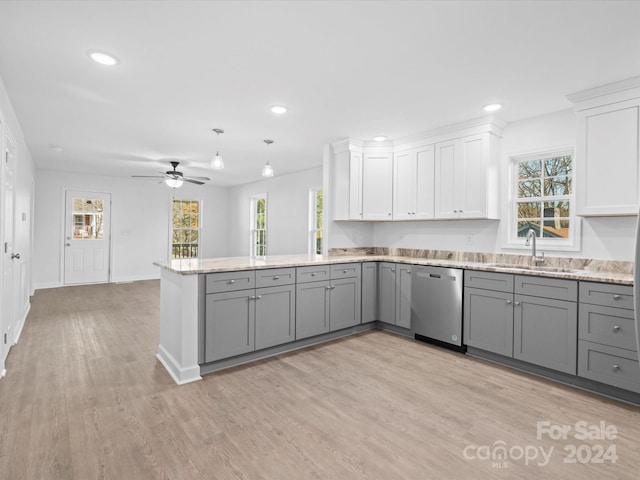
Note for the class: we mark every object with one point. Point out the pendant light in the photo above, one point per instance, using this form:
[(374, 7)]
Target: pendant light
[(217, 163), (267, 170)]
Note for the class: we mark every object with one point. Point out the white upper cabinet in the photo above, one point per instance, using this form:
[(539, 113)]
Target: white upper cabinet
[(465, 178), (355, 185), (607, 174), (451, 174), (377, 186), (413, 182)]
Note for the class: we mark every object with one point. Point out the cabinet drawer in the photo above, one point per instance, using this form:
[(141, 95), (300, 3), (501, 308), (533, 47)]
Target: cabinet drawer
[(230, 281), (613, 366), (610, 326), (275, 276), (547, 287), (501, 282), (312, 274), (620, 296), (345, 270)]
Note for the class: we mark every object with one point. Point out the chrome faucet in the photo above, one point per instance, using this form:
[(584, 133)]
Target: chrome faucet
[(531, 234)]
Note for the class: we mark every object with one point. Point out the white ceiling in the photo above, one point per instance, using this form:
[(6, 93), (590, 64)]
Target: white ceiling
[(344, 68)]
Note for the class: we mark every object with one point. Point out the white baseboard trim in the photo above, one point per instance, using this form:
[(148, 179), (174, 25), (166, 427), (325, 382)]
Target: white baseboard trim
[(180, 375), (44, 286), (3, 372), (135, 278), (22, 322)]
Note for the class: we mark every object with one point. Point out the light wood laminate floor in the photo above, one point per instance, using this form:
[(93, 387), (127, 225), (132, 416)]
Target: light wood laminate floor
[(85, 398)]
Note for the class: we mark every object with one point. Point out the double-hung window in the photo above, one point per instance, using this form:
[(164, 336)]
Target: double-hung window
[(185, 228), (259, 225), (315, 221), (543, 200)]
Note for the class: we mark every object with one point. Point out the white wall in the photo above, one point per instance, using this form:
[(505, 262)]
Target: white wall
[(603, 238), (139, 223), (287, 212)]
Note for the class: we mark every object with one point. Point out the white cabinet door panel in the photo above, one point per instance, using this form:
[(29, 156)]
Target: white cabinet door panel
[(377, 187)]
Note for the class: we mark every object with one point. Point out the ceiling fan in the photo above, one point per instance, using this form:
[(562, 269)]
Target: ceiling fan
[(174, 178)]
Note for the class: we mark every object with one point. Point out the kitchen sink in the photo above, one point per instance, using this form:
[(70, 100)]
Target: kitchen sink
[(537, 268)]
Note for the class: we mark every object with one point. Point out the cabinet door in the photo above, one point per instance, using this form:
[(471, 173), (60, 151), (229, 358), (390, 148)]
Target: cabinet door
[(377, 186), (355, 185), (607, 167), (545, 332), (404, 186), (345, 307), (403, 295), (275, 315), (369, 292), (387, 292), (425, 183), (312, 309), (229, 324), (470, 186), (446, 157), (488, 320)]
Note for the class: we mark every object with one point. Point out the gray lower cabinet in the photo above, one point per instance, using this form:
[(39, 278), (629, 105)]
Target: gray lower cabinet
[(240, 318), (369, 292), (229, 324), (312, 308), (545, 332), (387, 292), (327, 306), (488, 320), (394, 293), (533, 319), (275, 316), (607, 351)]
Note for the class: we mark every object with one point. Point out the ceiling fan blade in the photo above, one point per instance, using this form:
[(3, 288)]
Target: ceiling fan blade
[(197, 182), (197, 178), (147, 176)]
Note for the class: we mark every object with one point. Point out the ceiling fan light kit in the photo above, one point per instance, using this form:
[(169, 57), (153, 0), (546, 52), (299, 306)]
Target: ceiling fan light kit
[(174, 178)]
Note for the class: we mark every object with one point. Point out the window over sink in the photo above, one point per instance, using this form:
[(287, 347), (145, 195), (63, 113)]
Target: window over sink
[(543, 200)]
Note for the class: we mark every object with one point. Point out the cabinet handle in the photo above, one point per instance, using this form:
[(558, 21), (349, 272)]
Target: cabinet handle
[(258, 297), (328, 287), (333, 287), (508, 302), (517, 303), (277, 277), (389, 213), (616, 297), (252, 297), (616, 328), (616, 367), (344, 271), (313, 274), (231, 282)]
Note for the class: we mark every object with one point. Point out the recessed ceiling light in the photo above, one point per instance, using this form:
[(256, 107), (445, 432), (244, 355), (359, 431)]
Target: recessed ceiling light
[(380, 138), (278, 109), (103, 58), (492, 107)]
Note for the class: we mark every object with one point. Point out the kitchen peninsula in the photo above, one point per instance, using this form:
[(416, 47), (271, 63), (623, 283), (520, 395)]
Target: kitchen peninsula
[(221, 312)]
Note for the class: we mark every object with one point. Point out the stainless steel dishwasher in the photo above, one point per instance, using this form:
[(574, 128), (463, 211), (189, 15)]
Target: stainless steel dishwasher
[(436, 305)]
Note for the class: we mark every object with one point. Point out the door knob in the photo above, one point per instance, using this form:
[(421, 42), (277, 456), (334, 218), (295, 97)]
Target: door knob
[(67, 244), (15, 255)]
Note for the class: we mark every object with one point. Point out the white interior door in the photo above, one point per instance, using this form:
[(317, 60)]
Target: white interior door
[(87, 237), (8, 255)]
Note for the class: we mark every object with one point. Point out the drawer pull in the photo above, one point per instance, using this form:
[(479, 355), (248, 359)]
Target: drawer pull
[(508, 302), (277, 277), (258, 297), (344, 271), (616, 328), (231, 282), (616, 368), (616, 297), (328, 287), (517, 304), (313, 274)]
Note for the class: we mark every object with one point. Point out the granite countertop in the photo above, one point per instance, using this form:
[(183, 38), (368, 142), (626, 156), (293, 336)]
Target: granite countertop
[(585, 270)]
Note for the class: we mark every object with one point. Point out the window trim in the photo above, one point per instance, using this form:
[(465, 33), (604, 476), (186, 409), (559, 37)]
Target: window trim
[(252, 226), (312, 228), (199, 229), (550, 244)]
